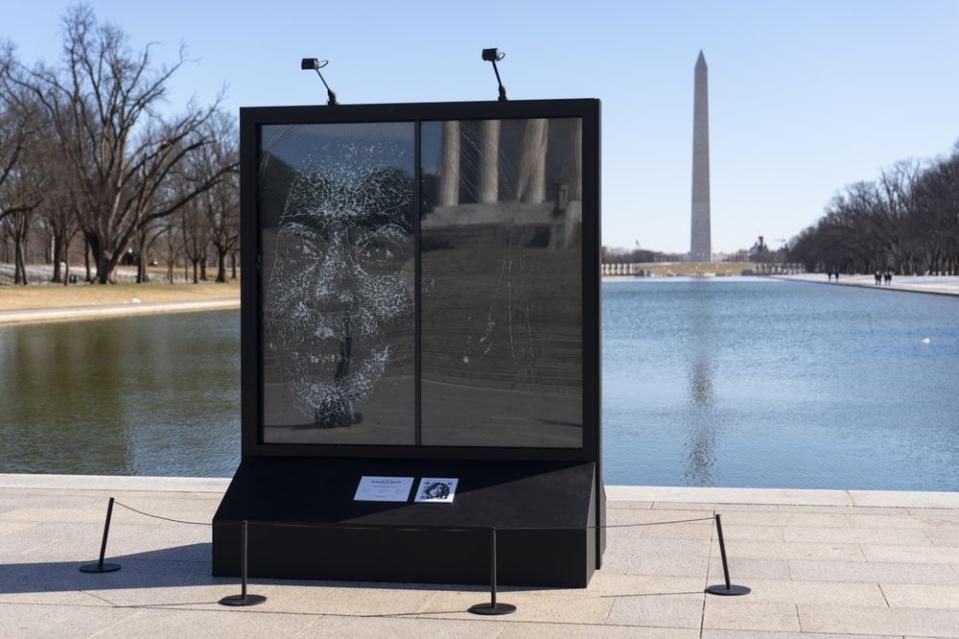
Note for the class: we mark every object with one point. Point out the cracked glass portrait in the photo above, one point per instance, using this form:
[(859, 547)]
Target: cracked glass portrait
[(501, 271), (336, 205)]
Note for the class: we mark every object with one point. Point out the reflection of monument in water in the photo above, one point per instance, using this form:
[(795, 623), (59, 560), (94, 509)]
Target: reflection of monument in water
[(703, 417), (700, 249)]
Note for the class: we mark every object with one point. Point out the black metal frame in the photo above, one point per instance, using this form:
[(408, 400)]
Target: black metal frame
[(253, 117)]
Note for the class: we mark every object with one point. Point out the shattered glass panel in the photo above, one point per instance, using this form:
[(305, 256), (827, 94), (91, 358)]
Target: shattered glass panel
[(336, 204), (501, 315)]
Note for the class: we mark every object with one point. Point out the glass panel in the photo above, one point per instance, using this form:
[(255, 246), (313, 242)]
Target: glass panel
[(501, 342), (336, 204)]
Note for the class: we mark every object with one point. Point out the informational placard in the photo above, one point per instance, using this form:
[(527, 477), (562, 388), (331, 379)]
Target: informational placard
[(373, 488), (437, 490)]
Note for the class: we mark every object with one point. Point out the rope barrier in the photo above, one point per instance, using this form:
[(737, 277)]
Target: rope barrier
[(409, 527), (178, 521), (493, 608), (414, 528)]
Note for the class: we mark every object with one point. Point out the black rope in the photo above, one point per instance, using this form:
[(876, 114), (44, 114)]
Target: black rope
[(412, 528), (416, 528), (178, 521)]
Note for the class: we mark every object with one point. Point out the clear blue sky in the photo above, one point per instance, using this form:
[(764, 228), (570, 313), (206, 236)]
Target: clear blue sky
[(805, 96)]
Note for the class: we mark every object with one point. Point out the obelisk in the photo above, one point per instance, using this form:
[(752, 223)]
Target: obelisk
[(700, 245)]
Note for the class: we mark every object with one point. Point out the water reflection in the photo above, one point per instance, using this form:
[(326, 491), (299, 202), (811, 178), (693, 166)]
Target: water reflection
[(151, 396), (758, 382), (701, 416)]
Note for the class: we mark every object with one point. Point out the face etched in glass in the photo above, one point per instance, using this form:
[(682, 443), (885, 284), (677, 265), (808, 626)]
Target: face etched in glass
[(342, 277)]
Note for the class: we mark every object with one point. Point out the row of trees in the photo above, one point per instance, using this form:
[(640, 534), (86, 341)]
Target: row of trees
[(86, 152), (617, 255), (906, 221)]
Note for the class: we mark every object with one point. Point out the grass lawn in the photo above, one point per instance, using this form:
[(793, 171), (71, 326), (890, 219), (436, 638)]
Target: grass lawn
[(14, 298)]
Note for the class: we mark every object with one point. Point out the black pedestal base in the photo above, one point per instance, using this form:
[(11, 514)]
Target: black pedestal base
[(498, 609), (304, 523), (95, 568), (732, 591)]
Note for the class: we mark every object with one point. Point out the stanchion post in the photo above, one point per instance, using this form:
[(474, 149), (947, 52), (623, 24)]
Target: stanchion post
[(726, 588), (100, 566), (243, 599), (492, 608)]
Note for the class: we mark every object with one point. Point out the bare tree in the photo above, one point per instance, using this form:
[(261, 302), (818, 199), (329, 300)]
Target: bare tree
[(20, 195), (907, 221), (20, 182), (13, 140), (196, 235), (222, 202), (102, 101), (171, 244), (59, 212)]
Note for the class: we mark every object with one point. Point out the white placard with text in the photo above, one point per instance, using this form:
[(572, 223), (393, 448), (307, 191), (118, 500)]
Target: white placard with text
[(373, 488)]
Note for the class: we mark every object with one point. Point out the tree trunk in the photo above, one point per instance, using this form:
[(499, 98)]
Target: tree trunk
[(233, 265), (57, 256), (86, 259), (104, 267), (142, 268), (66, 262), (19, 258), (220, 265), (196, 264), (203, 268)]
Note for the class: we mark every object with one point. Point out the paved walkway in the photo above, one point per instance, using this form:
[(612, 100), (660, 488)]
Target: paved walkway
[(939, 284), (822, 564), (112, 310)]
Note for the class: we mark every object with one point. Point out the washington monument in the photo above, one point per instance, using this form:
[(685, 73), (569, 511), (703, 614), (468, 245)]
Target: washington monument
[(700, 245)]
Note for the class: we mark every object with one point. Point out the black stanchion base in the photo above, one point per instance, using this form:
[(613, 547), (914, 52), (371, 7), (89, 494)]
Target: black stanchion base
[(98, 568), (732, 591), (240, 600), (498, 609)]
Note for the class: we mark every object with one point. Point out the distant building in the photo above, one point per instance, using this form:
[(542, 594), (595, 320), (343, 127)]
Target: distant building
[(758, 248)]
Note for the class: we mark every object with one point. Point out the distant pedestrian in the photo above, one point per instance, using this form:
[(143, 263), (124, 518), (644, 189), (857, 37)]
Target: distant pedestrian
[(889, 277), (829, 275), (878, 278), (837, 275)]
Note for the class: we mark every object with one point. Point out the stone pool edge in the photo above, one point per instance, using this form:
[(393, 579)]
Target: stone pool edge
[(615, 493), (77, 313)]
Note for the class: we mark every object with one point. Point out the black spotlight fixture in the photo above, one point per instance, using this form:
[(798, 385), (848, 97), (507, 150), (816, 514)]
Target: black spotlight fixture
[(494, 55), (313, 64)]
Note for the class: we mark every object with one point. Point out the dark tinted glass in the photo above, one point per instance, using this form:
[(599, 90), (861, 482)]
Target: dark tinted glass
[(336, 205), (502, 283)]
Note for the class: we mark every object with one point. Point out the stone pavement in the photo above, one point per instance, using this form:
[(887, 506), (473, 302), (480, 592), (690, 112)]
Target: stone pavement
[(821, 563)]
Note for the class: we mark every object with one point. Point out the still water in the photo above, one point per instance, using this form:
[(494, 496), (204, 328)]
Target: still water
[(154, 395), (726, 382), (755, 382)]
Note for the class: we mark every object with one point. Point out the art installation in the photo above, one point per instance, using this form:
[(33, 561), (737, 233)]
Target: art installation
[(420, 343)]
